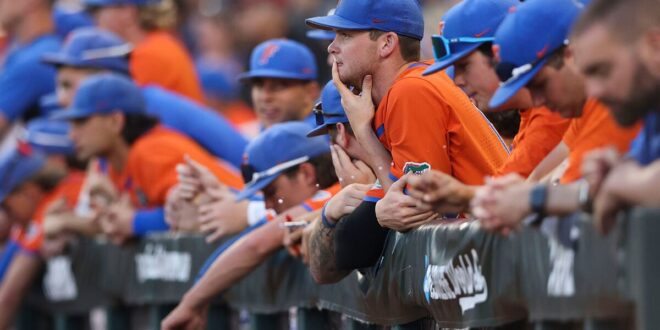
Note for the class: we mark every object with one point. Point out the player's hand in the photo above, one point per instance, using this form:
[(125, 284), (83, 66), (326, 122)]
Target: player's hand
[(195, 178), (350, 171), (181, 214), (117, 221), (440, 192), (596, 165), (185, 317), (610, 198), (401, 212), (222, 215), (359, 108), (345, 201), (502, 203), (102, 192)]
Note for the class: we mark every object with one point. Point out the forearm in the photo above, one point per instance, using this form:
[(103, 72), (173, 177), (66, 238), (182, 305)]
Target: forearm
[(235, 263), (322, 258), (563, 199), (24, 268), (378, 158), (359, 238), (549, 163), (83, 226), (639, 186)]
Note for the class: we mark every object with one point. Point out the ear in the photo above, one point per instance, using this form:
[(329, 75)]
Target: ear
[(388, 44), (307, 173), (117, 121), (313, 90), (342, 138), (649, 49)]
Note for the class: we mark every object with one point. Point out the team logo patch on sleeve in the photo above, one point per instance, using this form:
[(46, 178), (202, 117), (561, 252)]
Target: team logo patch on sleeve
[(416, 168)]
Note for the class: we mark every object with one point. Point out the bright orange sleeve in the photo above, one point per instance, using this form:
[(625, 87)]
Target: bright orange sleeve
[(598, 129), (540, 132), (416, 134), (153, 160)]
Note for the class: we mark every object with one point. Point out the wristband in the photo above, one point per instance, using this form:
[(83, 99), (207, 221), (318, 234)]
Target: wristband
[(537, 199), (324, 219)]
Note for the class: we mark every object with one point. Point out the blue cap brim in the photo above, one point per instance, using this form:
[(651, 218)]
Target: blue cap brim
[(56, 59), (321, 34), (334, 22), (319, 130), (323, 129), (69, 114), (272, 74), (450, 60), (510, 88), (253, 189)]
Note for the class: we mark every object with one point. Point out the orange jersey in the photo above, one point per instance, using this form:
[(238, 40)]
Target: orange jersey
[(321, 197), (151, 168), (540, 132), (593, 130), (162, 60), (427, 122), (31, 238)]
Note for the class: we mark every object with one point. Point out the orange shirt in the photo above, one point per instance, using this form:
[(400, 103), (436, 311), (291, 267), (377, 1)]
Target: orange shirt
[(151, 168), (540, 132), (162, 60), (321, 197), (31, 238), (593, 130), (427, 122)]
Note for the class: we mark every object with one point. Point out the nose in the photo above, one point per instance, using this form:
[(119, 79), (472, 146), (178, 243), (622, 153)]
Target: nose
[(332, 48)]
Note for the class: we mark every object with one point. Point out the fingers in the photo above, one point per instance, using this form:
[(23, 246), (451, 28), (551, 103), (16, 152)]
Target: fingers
[(343, 90), (367, 83), (400, 184), (344, 159)]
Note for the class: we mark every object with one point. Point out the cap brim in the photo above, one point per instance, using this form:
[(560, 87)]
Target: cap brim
[(58, 59), (320, 130), (69, 114), (450, 60), (507, 90), (321, 34), (272, 74), (334, 22), (253, 189)]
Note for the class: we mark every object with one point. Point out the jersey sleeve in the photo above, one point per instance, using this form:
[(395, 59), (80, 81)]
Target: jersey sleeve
[(416, 135)]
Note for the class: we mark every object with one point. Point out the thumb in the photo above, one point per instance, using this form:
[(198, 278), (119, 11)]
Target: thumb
[(367, 83), (400, 184), (58, 205)]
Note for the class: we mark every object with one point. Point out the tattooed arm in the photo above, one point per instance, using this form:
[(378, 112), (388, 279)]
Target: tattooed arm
[(322, 250)]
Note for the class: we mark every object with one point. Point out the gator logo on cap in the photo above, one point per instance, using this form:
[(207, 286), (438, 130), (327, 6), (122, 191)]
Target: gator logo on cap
[(416, 168), (268, 53)]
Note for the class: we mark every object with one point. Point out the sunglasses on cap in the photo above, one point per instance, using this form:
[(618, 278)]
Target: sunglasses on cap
[(320, 116), (251, 176), (442, 45)]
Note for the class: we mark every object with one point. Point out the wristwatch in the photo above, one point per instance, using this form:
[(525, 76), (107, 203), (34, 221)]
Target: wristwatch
[(537, 198)]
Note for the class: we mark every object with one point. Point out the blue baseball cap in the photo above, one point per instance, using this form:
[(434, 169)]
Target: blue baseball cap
[(92, 48), (467, 26), (283, 59), (217, 83), (280, 147), (106, 3), (403, 17), (49, 136), (329, 111), (69, 20), (18, 165), (104, 94), (526, 39)]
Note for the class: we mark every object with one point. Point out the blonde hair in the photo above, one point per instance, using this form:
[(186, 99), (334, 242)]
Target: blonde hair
[(159, 16)]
